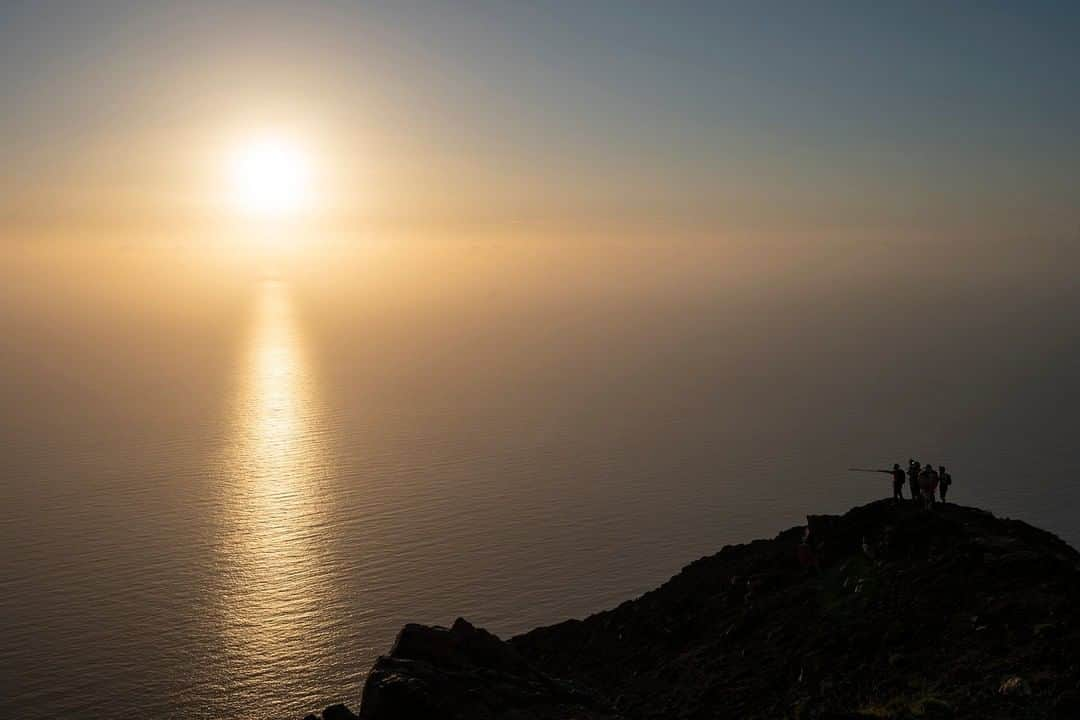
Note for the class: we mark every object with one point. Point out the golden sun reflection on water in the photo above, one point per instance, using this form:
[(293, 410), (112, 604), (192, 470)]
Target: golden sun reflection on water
[(276, 573)]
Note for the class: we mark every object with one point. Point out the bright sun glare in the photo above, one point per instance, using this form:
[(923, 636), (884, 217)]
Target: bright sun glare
[(270, 177)]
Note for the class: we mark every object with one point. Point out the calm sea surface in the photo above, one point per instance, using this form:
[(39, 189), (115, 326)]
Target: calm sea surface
[(225, 486)]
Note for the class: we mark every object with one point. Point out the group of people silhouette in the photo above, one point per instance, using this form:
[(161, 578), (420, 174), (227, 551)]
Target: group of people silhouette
[(924, 482)]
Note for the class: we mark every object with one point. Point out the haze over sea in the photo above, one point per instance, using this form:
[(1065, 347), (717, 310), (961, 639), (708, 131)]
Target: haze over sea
[(228, 478)]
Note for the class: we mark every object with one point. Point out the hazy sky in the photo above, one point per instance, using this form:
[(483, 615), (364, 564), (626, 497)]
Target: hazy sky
[(756, 116)]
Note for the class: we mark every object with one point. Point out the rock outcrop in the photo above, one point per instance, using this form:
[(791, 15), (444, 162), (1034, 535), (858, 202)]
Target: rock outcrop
[(464, 672), (888, 611)]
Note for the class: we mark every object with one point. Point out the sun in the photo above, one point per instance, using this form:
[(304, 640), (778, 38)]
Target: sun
[(270, 177)]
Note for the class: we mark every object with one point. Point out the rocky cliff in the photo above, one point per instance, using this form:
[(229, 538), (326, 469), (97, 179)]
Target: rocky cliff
[(888, 611)]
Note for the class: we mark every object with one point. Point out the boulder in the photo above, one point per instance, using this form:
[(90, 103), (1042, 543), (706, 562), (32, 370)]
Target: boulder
[(1067, 705), (338, 712), (1014, 686), (468, 673)]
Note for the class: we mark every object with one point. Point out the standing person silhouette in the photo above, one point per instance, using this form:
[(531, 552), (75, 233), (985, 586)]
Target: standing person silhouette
[(944, 481), (914, 468), (928, 482), (897, 482)]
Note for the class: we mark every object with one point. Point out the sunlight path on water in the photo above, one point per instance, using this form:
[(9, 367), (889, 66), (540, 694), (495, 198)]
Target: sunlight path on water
[(278, 578)]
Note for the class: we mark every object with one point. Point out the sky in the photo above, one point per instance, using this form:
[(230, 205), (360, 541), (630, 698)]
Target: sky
[(699, 119)]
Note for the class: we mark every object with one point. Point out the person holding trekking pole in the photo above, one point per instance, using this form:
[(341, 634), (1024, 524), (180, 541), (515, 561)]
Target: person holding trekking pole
[(897, 476), (897, 482)]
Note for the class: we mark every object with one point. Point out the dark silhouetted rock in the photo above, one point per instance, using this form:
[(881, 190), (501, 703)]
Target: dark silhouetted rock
[(904, 614), (1015, 686), (1067, 705), (466, 672), (338, 712)]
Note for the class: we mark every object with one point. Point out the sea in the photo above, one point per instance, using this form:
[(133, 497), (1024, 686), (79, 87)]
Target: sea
[(230, 474)]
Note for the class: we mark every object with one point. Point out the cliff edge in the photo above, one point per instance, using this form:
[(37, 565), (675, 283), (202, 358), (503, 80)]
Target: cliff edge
[(888, 611)]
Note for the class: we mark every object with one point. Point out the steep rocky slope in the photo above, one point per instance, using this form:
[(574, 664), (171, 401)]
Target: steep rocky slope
[(887, 611)]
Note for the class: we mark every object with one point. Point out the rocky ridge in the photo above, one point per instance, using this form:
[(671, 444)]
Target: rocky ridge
[(888, 611)]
